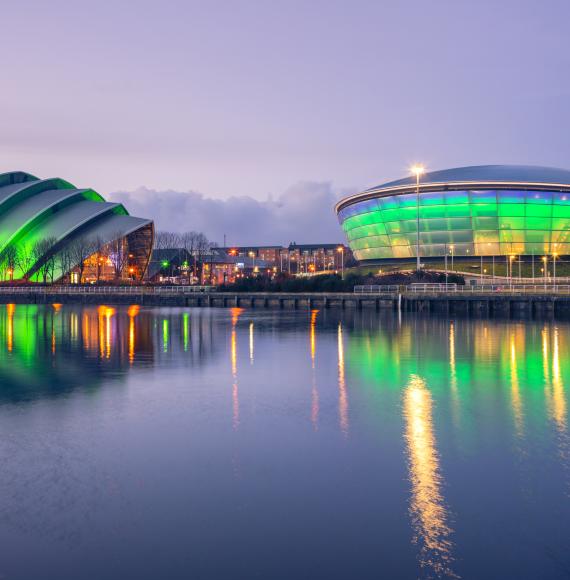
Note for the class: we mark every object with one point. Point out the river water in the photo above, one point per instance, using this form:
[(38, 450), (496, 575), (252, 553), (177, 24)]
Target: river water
[(230, 443)]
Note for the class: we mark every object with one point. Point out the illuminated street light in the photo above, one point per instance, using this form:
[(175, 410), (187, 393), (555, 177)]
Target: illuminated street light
[(511, 258), (340, 249), (418, 170), (252, 255)]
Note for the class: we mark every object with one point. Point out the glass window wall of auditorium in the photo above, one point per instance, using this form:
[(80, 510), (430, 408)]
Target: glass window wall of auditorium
[(465, 223)]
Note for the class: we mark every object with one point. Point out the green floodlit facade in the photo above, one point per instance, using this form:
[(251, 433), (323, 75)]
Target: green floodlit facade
[(52, 211), (490, 210)]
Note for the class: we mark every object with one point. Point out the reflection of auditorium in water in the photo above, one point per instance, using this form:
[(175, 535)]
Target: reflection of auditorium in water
[(51, 349)]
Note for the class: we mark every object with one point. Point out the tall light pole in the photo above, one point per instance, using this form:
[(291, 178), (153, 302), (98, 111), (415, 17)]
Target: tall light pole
[(511, 258), (417, 170), (340, 249), (554, 256), (445, 254)]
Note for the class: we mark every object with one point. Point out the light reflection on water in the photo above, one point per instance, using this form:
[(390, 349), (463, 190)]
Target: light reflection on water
[(308, 444), (427, 508)]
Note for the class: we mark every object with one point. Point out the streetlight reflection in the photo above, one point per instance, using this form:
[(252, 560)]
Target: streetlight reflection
[(515, 390), (235, 312), (314, 390), (342, 394), (558, 411), (428, 511)]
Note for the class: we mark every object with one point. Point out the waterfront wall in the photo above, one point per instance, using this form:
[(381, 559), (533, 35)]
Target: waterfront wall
[(496, 303)]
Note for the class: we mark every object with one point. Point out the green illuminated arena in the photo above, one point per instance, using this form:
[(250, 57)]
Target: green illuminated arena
[(489, 210), (49, 231)]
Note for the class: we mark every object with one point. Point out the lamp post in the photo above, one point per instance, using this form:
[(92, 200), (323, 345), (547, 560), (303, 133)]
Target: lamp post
[(545, 260), (340, 249), (417, 170), (554, 256), (452, 267), (511, 258), (445, 254)]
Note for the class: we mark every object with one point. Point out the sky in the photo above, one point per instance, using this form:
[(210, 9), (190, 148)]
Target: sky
[(251, 117)]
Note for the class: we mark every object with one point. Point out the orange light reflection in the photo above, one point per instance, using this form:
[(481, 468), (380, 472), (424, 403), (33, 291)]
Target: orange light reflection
[(427, 506)]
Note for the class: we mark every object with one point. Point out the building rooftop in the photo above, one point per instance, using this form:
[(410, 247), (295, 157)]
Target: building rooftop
[(493, 173)]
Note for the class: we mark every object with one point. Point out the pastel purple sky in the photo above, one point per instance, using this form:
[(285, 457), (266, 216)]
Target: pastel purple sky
[(252, 117)]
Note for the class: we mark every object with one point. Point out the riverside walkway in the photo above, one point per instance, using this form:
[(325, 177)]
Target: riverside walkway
[(537, 299)]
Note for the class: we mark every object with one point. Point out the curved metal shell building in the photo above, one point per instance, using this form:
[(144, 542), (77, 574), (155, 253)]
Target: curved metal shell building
[(488, 210), (44, 220)]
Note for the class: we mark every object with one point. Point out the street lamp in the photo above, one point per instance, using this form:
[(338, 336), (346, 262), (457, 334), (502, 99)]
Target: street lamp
[(511, 258), (417, 170), (554, 256), (545, 269), (340, 249)]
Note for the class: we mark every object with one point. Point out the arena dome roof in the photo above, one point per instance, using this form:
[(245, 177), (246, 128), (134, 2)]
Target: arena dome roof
[(488, 173)]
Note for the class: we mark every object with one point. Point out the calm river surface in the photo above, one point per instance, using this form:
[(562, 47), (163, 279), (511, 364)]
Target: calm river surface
[(230, 443)]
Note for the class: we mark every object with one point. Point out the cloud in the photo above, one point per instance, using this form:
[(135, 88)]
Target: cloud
[(303, 213)]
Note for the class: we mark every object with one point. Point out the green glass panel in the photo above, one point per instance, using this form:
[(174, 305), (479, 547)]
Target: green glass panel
[(534, 210), (484, 210), (533, 223), (435, 211), (393, 228), (434, 225), (561, 211), (486, 236), (457, 197), (512, 209), (512, 223), (458, 210), (485, 223)]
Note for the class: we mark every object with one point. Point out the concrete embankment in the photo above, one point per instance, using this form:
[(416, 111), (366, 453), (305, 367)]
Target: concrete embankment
[(495, 303)]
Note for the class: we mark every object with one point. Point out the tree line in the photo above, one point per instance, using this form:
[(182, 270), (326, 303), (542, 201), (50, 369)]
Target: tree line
[(194, 244), (47, 258)]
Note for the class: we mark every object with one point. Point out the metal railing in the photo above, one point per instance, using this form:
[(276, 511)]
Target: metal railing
[(376, 289), (468, 289), (432, 287), (108, 290)]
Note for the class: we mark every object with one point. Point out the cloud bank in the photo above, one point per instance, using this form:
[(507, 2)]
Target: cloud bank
[(303, 214)]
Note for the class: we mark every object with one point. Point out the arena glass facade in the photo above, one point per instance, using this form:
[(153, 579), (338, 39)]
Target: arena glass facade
[(468, 211)]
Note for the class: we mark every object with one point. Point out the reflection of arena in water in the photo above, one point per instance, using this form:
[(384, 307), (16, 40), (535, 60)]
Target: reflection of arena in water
[(48, 350)]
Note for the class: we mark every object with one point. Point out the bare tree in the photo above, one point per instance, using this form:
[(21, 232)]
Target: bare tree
[(118, 253), (42, 252), (188, 242), (9, 261), (24, 259), (167, 240), (80, 249), (63, 261), (202, 249), (102, 256)]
